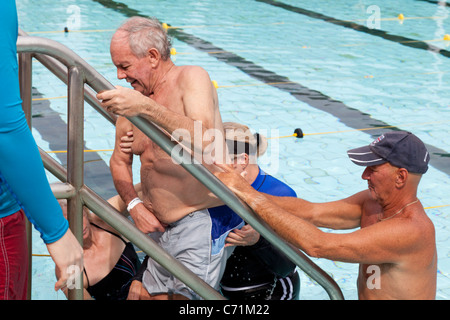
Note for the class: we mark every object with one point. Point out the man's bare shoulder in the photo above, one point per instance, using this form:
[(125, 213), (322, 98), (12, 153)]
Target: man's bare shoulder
[(191, 72), (422, 224), (412, 233)]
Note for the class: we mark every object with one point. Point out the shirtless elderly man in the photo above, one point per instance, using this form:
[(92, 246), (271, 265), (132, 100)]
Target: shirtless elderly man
[(395, 247), (174, 98)]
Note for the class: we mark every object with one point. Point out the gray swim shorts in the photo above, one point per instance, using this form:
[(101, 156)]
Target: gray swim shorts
[(188, 240)]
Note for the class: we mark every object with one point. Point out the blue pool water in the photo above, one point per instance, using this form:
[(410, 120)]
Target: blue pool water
[(338, 74)]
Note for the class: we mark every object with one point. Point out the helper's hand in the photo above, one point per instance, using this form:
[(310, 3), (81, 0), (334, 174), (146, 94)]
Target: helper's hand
[(67, 254), (135, 290), (123, 101), (126, 142), (233, 180), (246, 236)]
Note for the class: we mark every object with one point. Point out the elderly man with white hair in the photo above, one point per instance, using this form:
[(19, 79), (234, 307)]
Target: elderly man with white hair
[(173, 201)]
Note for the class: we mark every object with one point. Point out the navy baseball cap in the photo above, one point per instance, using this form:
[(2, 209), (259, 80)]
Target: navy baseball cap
[(400, 148)]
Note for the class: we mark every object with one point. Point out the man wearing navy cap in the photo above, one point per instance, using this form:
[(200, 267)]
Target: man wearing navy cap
[(395, 245)]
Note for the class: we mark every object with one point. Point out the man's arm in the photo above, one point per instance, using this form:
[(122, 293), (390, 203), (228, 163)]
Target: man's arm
[(201, 108), (121, 170), (382, 242), (118, 204), (121, 164), (341, 214)]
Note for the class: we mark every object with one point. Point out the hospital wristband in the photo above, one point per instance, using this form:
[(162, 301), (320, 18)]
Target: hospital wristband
[(133, 203)]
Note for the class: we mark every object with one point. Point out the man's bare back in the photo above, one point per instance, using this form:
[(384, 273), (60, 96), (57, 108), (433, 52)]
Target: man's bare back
[(413, 275)]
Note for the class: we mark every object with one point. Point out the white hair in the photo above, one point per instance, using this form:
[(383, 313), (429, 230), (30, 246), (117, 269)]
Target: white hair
[(144, 34)]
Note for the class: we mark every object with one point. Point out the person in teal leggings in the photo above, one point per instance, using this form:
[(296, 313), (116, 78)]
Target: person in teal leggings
[(23, 179)]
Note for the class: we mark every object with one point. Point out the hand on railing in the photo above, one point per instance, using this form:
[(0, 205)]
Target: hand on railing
[(67, 255), (123, 101)]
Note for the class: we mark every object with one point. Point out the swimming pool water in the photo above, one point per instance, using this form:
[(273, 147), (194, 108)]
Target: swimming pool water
[(357, 78)]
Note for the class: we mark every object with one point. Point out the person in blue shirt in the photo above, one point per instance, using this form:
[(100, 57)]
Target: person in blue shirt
[(24, 183), (256, 269)]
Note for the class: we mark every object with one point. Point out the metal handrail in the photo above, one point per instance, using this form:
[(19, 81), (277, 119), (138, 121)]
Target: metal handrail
[(41, 49)]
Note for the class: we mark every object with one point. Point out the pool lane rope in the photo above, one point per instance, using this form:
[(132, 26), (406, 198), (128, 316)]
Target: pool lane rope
[(298, 133)]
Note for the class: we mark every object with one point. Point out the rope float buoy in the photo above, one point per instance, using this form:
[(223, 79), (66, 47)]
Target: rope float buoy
[(298, 133)]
